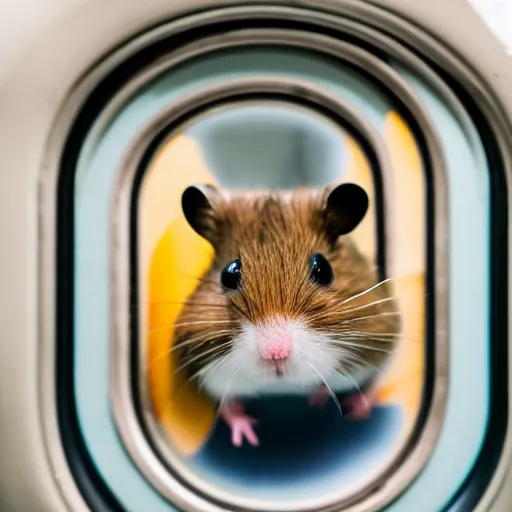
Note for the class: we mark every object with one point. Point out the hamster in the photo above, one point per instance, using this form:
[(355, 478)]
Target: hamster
[(289, 304)]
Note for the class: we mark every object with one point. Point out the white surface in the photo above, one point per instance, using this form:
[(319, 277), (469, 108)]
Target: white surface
[(18, 18), (498, 17)]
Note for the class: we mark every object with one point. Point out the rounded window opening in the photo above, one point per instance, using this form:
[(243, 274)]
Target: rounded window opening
[(324, 445)]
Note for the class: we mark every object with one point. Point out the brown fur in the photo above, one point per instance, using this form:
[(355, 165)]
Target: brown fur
[(275, 238)]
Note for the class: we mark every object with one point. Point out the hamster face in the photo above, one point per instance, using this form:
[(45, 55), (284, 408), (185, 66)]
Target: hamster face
[(289, 303)]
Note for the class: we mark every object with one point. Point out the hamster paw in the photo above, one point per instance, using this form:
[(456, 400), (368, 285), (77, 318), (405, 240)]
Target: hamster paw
[(359, 407), (241, 425), (319, 397)]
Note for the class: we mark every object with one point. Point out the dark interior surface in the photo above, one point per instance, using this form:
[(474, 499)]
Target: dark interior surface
[(303, 451)]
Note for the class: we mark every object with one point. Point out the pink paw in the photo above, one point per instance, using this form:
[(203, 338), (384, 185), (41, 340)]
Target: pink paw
[(241, 425), (359, 407), (319, 397)]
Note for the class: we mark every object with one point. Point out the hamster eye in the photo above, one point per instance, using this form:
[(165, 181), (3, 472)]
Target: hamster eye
[(321, 270), (231, 275)]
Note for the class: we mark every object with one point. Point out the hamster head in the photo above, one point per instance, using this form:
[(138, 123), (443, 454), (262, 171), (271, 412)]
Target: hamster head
[(288, 299)]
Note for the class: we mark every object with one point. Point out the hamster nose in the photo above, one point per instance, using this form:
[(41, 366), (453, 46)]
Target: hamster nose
[(274, 341)]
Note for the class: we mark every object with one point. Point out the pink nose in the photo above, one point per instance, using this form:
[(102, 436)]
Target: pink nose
[(274, 341)]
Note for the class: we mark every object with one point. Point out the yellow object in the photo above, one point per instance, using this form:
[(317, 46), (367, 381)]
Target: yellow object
[(404, 381), (176, 255), (358, 171)]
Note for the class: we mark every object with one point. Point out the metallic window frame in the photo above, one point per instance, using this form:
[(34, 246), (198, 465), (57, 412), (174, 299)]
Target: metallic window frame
[(436, 413), (479, 86)]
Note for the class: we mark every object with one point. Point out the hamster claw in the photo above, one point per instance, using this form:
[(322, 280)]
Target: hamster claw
[(319, 397), (240, 424), (359, 407), (242, 427)]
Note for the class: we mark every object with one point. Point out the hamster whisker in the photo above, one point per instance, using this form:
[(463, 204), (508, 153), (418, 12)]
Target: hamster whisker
[(372, 338), (173, 302), (227, 388), (367, 290), (357, 362), (199, 340), (182, 388), (343, 343), (361, 363), (186, 324), (174, 396), (383, 337), (199, 322), (306, 300), (197, 304), (327, 316), (349, 334), (362, 346), (207, 367), (357, 319), (197, 375), (188, 362), (178, 303), (216, 364), (381, 334), (326, 384), (238, 308), (348, 375), (375, 303)]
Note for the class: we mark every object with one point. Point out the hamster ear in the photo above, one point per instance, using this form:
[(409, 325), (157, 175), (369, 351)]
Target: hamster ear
[(198, 204), (345, 207)]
